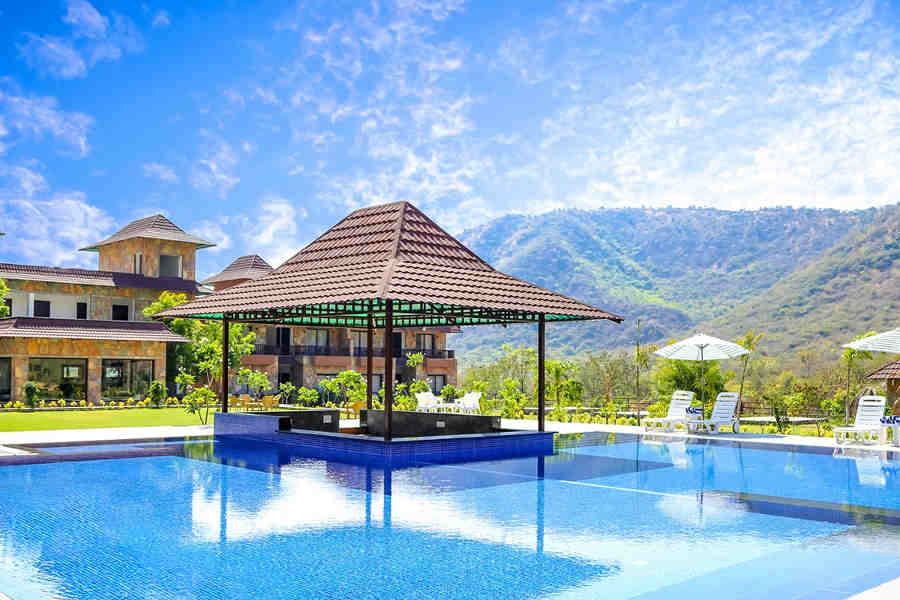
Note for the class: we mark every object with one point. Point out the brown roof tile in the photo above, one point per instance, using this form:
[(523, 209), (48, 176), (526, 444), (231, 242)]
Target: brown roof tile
[(14, 272), (251, 266), (154, 227), (389, 251), (888, 371), (35, 327)]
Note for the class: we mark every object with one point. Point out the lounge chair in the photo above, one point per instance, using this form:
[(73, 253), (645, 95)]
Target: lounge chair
[(470, 403), (722, 415), (867, 427), (676, 415), (427, 402)]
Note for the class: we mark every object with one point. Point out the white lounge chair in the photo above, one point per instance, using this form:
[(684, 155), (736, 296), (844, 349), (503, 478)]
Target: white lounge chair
[(470, 403), (676, 414), (867, 427), (427, 402), (722, 415)]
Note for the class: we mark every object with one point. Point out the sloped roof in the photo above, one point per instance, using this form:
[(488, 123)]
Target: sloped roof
[(154, 227), (36, 327), (251, 266), (888, 371), (11, 271), (392, 251)]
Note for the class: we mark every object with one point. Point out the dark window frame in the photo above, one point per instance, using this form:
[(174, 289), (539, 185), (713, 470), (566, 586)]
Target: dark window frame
[(120, 306), (43, 304), (81, 310)]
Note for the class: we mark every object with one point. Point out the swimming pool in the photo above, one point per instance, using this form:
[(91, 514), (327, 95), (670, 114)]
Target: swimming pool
[(611, 516)]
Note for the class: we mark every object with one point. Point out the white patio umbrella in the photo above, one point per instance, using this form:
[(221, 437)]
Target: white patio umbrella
[(702, 348), (889, 342)]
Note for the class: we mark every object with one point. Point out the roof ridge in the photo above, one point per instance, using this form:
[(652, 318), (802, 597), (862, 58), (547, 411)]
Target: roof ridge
[(385, 286)]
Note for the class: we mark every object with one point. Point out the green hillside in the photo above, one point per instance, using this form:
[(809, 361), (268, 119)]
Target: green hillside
[(679, 269)]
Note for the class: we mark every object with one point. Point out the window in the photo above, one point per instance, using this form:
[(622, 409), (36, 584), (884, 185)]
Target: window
[(137, 263), (169, 266), (81, 310), (60, 377), (123, 378), (42, 308), (283, 336), (120, 312), (5, 379), (424, 341), (437, 383), (361, 340), (8, 303), (317, 337)]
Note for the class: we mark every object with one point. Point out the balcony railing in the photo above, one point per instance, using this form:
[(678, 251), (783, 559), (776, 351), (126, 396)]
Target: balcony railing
[(292, 350)]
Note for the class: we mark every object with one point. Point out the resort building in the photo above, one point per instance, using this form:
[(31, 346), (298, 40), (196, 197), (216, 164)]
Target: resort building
[(305, 356), (81, 333)]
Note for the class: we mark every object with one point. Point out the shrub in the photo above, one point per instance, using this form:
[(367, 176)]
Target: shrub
[(632, 421), (449, 392), (157, 392), (83, 403), (170, 401), (622, 421), (658, 409), (31, 390), (307, 397)]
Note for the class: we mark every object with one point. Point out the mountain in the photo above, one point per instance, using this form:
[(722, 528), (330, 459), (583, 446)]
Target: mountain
[(800, 275)]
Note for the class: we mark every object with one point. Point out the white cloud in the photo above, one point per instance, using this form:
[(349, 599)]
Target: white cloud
[(273, 234), (48, 227), (161, 19), (85, 20), (33, 117), (93, 38), (52, 56), (164, 173), (214, 170), (214, 231)]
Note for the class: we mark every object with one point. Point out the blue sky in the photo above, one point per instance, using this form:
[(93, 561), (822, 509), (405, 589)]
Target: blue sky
[(259, 126)]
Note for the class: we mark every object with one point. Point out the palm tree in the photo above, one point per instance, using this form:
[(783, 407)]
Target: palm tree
[(749, 341)]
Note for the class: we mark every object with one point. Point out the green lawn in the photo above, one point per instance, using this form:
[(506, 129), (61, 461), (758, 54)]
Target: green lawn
[(86, 419)]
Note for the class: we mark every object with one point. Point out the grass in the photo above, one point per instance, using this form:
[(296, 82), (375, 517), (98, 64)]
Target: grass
[(86, 419)]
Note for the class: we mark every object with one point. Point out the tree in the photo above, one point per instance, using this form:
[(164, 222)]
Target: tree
[(4, 292), (851, 357), (349, 386), (684, 375), (256, 381), (748, 341), (157, 392), (287, 391), (558, 373), (197, 400), (642, 355), (203, 355)]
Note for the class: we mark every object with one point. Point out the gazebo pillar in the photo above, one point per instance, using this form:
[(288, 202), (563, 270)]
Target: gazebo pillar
[(369, 340), (388, 368), (224, 363), (540, 373)]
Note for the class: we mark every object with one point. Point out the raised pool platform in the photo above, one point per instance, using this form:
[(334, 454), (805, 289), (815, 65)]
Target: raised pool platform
[(353, 447)]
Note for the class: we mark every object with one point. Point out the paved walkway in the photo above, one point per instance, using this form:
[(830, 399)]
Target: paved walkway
[(24, 438), (759, 438)]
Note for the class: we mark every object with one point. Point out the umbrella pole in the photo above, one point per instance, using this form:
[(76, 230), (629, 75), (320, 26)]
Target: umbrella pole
[(702, 382)]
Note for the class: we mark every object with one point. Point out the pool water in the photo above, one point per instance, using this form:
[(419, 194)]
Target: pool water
[(605, 516)]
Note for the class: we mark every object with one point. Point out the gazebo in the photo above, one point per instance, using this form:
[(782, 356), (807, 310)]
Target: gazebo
[(383, 267)]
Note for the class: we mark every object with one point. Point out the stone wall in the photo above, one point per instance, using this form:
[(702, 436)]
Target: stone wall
[(21, 349), (98, 297), (118, 256)]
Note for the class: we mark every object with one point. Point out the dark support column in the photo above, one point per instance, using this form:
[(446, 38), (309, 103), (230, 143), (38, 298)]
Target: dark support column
[(388, 368), (369, 341), (224, 364), (540, 373)]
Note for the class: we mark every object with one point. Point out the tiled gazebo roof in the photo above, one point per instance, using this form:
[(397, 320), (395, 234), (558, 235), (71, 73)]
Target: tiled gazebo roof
[(37, 327), (153, 227), (888, 371), (251, 266), (395, 252)]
